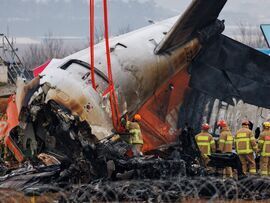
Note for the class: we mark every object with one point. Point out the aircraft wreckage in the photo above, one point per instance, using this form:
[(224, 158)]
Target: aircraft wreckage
[(60, 130)]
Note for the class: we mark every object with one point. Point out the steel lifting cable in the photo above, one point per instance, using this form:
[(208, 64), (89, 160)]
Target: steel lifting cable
[(92, 41)]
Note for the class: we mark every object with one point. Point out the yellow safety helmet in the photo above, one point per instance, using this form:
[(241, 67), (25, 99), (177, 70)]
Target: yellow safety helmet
[(137, 117), (266, 124)]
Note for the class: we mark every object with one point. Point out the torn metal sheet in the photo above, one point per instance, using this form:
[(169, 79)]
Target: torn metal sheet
[(227, 69), (25, 91), (27, 176)]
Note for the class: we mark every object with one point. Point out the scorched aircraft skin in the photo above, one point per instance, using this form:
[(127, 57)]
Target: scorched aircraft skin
[(138, 74), (152, 68)]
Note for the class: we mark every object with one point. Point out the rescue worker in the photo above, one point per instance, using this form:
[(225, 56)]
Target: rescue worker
[(135, 135), (205, 143), (264, 149), (225, 143), (245, 145)]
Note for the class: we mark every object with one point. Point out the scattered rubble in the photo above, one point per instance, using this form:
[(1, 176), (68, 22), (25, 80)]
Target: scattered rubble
[(105, 173), (61, 158), (61, 150)]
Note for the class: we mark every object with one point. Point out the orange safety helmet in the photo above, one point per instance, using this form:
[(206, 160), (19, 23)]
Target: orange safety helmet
[(137, 117), (222, 123), (245, 122), (205, 126)]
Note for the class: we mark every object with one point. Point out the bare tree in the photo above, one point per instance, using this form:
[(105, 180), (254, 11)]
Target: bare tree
[(50, 47), (99, 33), (99, 36), (250, 35), (53, 47), (124, 30), (37, 54)]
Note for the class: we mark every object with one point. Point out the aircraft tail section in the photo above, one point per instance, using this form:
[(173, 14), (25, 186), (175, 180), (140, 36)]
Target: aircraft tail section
[(200, 14)]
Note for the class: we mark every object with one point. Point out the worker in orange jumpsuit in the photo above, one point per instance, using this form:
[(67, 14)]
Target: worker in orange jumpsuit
[(136, 139), (205, 143), (245, 144), (264, 149), (225, 143)]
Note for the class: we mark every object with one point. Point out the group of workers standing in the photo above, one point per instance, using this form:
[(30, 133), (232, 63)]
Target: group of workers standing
[(244, 143)]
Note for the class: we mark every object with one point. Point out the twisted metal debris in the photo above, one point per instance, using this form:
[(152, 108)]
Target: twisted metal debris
[(106, 174)]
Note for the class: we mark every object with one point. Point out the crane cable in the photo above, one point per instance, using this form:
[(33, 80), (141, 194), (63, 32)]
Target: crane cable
[(111, 88), (92, 42), (113, 99)]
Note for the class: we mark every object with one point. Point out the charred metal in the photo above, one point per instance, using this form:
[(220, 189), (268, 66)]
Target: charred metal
[(67, 132)]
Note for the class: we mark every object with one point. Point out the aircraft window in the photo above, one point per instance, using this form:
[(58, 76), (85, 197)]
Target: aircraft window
[(77, 71), (81, 71), (100, 82)]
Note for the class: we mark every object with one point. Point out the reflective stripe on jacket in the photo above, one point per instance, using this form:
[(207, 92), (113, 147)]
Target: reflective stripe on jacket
[(135, 131), (225, 140), (205, 143), (245, 142), (264, 143)]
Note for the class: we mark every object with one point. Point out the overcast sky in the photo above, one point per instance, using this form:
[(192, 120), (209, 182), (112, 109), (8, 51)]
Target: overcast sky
[(69, 18), (235, 11)]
